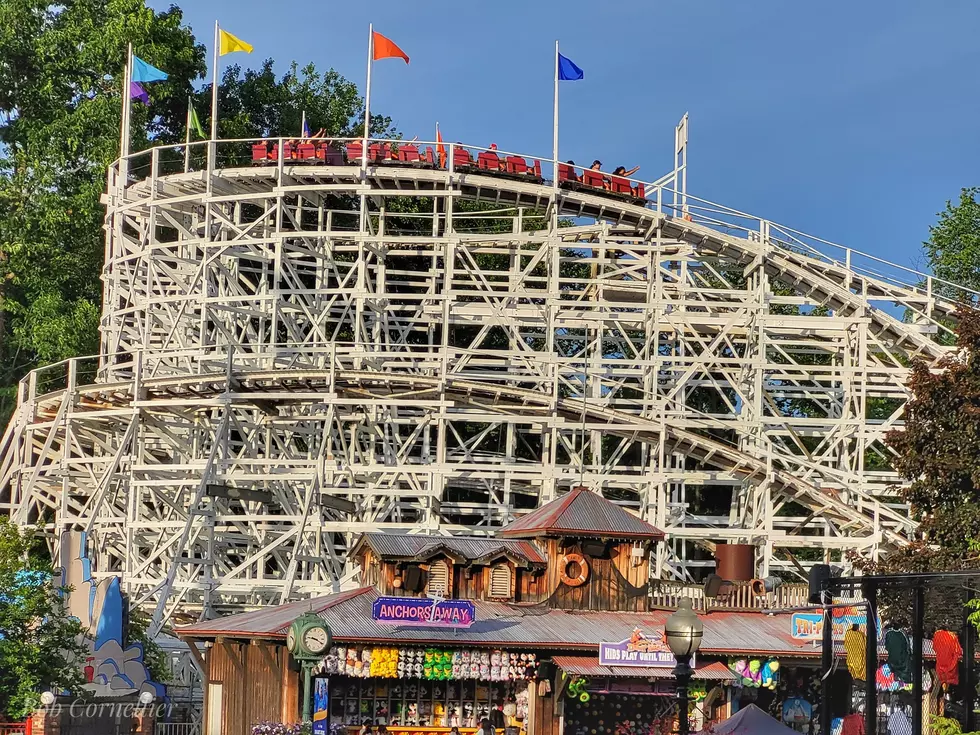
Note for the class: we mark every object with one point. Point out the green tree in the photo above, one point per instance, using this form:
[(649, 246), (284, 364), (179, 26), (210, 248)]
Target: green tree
[(953, 247), (39, 642), (60, 106), (254, 103), (938, 453)]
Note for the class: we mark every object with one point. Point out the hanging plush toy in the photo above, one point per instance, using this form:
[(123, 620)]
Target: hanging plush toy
[(770, 674), (740, 668), (352, 659), (332, 661)]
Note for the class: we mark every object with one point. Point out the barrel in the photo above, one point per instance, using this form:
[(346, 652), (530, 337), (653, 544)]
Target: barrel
[(735, 562)]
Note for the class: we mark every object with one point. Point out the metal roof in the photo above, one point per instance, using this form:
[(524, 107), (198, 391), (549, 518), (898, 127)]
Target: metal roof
[(502, 625), (589, 666), (470, 548), (581, 512)]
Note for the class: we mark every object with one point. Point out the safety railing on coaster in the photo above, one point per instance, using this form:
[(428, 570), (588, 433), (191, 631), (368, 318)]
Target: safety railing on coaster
[(661, 194)]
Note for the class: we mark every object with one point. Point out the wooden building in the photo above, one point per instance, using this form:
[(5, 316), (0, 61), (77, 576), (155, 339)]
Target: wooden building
[(547, 592)]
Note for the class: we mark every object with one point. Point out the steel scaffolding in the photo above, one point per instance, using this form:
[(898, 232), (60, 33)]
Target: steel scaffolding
[(295, 353)]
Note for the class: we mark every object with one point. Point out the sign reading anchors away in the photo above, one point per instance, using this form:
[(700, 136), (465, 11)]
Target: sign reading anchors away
[(424, 612)]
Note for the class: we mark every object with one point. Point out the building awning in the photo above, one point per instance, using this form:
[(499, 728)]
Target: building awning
[(589, 666)]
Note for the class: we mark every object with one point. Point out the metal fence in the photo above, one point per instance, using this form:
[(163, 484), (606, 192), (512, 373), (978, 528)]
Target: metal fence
[(175, 728)]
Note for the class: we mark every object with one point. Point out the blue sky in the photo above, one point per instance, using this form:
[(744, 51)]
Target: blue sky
[(853, 121)]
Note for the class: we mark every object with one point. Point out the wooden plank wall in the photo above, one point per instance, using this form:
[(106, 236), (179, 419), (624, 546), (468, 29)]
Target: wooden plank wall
[(468, 583), (603, 590), (257, 684), (543, 714)]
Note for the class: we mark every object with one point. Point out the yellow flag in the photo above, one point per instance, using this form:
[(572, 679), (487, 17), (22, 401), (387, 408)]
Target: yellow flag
[(229, 43)]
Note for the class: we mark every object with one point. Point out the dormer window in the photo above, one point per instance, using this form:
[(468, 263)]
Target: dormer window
[(438, 579), (501, 581)]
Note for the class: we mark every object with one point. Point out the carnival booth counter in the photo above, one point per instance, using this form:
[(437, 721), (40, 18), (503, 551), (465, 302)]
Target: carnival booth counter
[(427, 689)]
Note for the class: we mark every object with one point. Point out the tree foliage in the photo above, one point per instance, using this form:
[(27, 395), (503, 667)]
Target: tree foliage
[(254, 103), (39, 643), (939, 448), (60, 108), (938, 453), (953, 247)]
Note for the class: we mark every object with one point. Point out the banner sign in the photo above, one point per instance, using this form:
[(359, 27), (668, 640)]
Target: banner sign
[(809, 626), (423, 612), (321, 707), (637, 650)]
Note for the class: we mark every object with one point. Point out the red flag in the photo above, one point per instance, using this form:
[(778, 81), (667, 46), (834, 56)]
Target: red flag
[(440, 148), (385, 48)]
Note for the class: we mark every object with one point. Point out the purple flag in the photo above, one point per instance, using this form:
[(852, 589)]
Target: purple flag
[(136, 91)]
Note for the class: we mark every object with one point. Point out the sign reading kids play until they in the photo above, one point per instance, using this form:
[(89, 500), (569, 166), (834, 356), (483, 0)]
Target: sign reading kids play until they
[(423, 612), (637, 650)]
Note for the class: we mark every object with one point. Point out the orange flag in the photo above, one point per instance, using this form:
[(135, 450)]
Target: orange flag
[(440, 148), (385, 48)]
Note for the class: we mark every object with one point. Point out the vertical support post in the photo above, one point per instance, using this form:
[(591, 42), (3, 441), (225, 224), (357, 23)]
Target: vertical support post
[(682, 673), (826, 662), (871, 659), (967, 682), (918, 611), (307, 691)]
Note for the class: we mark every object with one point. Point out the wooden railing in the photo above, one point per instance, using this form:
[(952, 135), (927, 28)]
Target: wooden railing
[(736, 596)]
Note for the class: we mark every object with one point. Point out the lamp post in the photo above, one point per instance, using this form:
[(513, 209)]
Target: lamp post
[(683, 633)]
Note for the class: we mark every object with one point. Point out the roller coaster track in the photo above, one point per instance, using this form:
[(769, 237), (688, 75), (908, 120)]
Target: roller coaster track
[(167, 391)]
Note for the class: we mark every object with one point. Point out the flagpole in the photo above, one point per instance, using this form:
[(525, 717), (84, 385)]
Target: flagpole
[(187, 138), (124, 134), (214, 100), (555, 141), (367, 96), (302, 126)]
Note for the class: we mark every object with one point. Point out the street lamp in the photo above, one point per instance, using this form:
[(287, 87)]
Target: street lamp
[(683, 633)]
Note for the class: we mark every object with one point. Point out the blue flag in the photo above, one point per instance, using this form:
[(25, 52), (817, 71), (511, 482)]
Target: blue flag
[(306, 129), (567, 70), (143, 72)]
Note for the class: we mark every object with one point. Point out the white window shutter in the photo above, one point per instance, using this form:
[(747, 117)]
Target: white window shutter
[(500, 581), (438, 579)]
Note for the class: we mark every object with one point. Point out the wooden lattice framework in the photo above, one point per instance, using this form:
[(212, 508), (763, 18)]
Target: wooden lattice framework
[(293, 354)]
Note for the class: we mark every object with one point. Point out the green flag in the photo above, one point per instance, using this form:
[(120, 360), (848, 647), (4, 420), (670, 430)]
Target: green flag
[(195, 123)]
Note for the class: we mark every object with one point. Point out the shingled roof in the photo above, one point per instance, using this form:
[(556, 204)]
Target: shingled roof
[(581, 512), (476, 549)]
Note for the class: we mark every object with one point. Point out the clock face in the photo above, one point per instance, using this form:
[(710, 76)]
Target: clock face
[(291, 640), (316, 639)]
